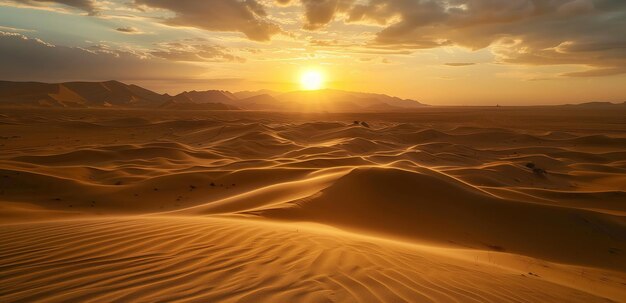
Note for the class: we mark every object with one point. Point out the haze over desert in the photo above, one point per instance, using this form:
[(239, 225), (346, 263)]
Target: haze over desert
[(313, 151)]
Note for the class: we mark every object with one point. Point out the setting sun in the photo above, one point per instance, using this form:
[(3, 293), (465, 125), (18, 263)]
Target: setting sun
[(312, 80)]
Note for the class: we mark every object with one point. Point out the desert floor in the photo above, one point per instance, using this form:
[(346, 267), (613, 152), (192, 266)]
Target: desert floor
[(438, 205)]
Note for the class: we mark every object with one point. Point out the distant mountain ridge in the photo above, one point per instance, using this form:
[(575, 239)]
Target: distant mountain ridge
[(338, 100), (209, 96), (596, 104), (247, 94), (106, 94), (117, 94), (78, 94)]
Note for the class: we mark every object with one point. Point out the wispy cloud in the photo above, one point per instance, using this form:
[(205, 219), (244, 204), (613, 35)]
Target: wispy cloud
[(24, 58), (457, 64), (89, 6), (15, 29), (129, 30)]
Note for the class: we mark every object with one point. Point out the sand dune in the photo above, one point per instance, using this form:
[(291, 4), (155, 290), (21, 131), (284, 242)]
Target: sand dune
[(448, 205), (200, 260), (434, 207)]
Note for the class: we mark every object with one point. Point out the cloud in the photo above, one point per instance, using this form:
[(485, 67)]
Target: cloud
[(15, 29), (247, 17), (186, 51), (88, 6), (318, 13), (129, 30), (580, 32), (606, 55), (30, 59), (527, 32), (591, 33), (457, 64), (334, 42), (598, 72)]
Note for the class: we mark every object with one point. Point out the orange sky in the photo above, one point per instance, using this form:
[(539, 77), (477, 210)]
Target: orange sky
[(442, 52)]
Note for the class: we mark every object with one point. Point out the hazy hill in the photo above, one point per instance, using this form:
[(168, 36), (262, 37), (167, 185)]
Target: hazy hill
[(322, 100), (202, 100), (198, 106), (209, 96), (260, 102), (247, 94), (337, 100), (114, 93), (596, 104)]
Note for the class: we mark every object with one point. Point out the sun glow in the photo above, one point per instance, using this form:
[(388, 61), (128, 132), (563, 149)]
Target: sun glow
[(312, 80)]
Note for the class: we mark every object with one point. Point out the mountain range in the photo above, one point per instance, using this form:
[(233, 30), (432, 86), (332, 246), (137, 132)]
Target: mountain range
[(116, 94)]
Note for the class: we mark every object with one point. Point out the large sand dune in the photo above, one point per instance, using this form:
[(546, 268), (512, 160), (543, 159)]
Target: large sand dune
[(441, 205)]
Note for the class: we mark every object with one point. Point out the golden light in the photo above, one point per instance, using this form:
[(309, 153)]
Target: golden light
[(312, 80)]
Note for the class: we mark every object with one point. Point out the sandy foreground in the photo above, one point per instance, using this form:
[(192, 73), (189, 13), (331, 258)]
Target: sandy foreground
[(438, 205)]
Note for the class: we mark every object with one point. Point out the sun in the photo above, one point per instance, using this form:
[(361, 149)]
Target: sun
[(312, 80)]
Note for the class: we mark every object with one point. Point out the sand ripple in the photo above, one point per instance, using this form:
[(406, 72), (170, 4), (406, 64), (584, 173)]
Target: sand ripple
[(211, 260)]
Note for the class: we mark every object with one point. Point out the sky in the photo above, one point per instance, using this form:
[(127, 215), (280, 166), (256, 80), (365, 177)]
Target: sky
[(439, 52)]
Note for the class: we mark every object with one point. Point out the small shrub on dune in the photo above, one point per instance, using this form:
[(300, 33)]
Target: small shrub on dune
[(536, 170)]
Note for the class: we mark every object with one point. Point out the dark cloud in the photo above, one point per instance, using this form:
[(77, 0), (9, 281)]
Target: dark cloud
[(128, 30), (88, 6), (29, 59), (247, 17), (318, 13)]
